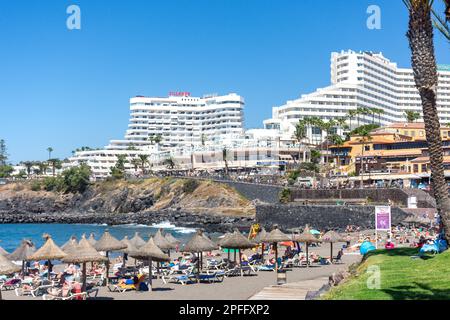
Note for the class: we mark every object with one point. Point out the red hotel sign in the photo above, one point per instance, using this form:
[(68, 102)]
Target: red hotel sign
[(179, 94)]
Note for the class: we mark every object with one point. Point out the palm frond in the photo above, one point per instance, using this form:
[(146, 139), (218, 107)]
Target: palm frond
[(441, 24)]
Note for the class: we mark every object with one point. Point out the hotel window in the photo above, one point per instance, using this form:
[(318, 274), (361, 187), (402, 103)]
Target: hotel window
[(416, 168)]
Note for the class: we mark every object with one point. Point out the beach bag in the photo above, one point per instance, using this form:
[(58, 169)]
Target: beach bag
[(143, 287)]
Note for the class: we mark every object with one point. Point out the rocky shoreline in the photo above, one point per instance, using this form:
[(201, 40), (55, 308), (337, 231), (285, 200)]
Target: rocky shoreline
[(178, 218)]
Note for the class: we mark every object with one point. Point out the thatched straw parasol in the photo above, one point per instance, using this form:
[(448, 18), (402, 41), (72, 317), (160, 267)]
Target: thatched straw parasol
[(223, 239), (162, 242), (307, 238), (106, 244), (7, 267), (274, 237), (169, 237), (258, 239), (237, 241), (137, 241), (49, 251), (3, 252), (332, 237), (84, 252), (150, 252), (25, 250), (69, 243), (130, 247), (70, 246), (92, 240), (199, 244)]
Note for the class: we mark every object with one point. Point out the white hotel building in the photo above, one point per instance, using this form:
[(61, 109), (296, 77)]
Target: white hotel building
[(358, 80), (182, 121)]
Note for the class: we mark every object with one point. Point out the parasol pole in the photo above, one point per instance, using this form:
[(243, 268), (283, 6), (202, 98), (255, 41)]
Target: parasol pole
[(107, 268), (275, 246), (150, 275), (240, 262), (83, 288), (307, 255), (331, 252)]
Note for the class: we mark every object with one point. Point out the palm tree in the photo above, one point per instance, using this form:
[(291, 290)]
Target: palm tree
[(338, 142), (300, 135), (50, 150), (411, 116), (364, 137), (144, 160), (29, 167), (420, 36), (136, 162), (351, 114), (328, 128), (56, 164), (43, 166), (225, 159)]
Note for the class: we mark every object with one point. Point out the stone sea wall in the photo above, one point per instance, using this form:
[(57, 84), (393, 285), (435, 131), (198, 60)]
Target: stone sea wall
[(321, 216)]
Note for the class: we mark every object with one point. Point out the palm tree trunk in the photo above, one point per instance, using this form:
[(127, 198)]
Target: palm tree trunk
[(420, 36)]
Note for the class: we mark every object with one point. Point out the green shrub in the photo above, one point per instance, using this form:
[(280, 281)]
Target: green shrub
[(53, 184), (285, 195), (36, 185), (76, 180), (190, 186)]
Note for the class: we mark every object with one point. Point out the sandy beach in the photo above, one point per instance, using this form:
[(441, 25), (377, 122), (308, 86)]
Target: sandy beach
[(233, 288)]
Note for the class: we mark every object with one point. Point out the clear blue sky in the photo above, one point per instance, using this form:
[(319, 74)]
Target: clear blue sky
[(68, 89)]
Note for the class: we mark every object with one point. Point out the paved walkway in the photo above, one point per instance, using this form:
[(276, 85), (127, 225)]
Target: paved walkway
[(290, 291)]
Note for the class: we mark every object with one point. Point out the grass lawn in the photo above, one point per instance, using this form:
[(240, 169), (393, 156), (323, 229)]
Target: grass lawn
[(402, 278)]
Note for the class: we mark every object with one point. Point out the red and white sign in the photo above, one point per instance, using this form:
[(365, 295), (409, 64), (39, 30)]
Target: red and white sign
[(179, 94)]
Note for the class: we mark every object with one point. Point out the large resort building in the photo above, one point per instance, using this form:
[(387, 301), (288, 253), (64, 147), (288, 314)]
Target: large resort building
[(361, 80)]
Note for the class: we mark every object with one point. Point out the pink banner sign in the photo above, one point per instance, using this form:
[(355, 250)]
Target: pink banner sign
[(383, 218)]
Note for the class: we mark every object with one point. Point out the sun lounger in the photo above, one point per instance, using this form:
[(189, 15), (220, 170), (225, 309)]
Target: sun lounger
[(183, 279), (10, 284), (211, 277), (266, 267), (124, 287), (70, 296), (35, 289)]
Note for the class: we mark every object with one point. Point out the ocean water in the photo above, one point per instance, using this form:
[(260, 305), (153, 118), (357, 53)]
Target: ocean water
[(11, 235)]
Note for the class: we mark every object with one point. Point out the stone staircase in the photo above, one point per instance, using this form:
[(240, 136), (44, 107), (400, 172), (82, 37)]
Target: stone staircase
[(424, 199)]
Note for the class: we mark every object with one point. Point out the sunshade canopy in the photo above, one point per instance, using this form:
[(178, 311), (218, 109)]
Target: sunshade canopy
[(108, 243), (149, 251), (84, 252)]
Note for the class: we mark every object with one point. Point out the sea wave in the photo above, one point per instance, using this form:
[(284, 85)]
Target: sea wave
[(169, 226)]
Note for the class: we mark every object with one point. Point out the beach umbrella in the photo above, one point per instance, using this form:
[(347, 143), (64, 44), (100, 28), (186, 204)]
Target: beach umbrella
[(307, 238), (332, 237), (84, 252), (258, 239), (70, 246), (237, 241), (92, 240), (199, 243), (69, 243), (130, 247), (224, 238), (150, 252), (3, 252), (25, 250), (160, 240), (137, 241), (49, 251), (7, 267), (275, 236), (106, 244), (169, 237)]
